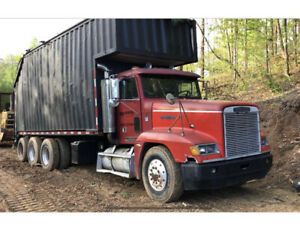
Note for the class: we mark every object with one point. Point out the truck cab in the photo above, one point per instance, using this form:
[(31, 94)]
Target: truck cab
[(174, 140)]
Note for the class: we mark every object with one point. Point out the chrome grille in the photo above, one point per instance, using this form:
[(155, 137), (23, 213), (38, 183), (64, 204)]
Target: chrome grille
[(241, 131)]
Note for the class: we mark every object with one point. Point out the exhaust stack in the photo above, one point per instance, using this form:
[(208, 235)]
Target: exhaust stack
[(109, 98)]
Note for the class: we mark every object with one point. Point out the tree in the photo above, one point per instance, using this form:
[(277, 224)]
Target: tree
[(34, 43), (235, 52), (271, 38), (257, 47), (219, 57), (246, 46), (275, 38), (202, 47), (267, 48), (8, 67), (280, 37), (287, 60), (295, 40), (228, 43)]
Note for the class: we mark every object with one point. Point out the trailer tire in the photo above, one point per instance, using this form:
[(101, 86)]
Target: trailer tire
[(162, 175), (33, 150), (22, 149), (49, 154), (64, 153)]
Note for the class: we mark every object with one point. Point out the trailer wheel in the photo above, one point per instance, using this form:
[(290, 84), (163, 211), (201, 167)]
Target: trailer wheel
[(22, 149), (49, 154), (162, 175), (33, 150), (64, 153)]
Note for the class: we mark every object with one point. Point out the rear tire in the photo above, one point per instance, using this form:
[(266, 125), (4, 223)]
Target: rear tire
[(49, 154), (162, 175), (64, 153), (22, 149), (33, 151)]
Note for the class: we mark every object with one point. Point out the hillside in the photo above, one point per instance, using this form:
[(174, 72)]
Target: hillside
[(281, 122)]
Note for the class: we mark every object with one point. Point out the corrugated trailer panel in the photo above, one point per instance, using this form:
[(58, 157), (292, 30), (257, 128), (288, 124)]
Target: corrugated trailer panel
[(56, 92), (159, 41), (55, 88)]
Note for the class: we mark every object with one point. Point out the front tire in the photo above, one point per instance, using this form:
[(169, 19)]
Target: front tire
[(49, 154), (162, 175)]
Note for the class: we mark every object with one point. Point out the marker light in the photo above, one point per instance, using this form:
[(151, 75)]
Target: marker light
[(264, 141)]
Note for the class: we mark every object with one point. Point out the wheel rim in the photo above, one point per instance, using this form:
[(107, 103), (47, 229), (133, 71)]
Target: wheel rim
[(31, 154), (157, 175), (20, 149), (45, 156)]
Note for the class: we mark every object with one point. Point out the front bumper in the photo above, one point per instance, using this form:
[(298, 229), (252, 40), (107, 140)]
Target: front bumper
[(225, 173)]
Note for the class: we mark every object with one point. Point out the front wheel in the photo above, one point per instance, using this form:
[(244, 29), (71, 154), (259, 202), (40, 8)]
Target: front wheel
[(162, 175)]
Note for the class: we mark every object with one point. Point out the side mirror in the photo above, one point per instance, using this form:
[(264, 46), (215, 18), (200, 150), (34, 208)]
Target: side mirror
[(114, 91), (170, 98)]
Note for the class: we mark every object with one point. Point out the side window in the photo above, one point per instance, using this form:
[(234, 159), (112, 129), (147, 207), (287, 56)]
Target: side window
[(128, 89)]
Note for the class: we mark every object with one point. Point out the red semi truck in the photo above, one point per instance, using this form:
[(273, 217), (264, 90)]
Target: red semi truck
[(148, 123)]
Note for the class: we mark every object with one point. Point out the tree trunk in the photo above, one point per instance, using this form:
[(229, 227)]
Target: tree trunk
[(202, 64), (298, 31), (246, 47), (295, 39), (272, 37), (275, 40), (235, 59), (267, 48), (280, 37), (216, 55), (228, 46), (287, 61)]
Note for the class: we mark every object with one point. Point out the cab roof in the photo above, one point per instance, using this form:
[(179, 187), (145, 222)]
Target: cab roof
[(160, 71)]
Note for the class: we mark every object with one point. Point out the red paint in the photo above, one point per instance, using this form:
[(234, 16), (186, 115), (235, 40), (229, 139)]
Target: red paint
[(156, 116)]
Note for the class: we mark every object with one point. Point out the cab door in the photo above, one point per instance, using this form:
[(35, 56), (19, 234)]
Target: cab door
[(129, 111)]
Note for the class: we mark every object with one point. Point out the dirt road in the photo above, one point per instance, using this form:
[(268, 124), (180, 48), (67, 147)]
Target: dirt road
[(80, 188)]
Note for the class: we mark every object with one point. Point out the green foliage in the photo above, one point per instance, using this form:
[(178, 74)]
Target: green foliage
[(249, 46), (34, 43), (8, 69)]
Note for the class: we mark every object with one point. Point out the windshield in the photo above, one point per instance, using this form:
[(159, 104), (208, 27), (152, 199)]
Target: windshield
[(158, 86)]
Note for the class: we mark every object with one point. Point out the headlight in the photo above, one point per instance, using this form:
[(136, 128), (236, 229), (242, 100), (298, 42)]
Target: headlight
[(204, 149), (264, 141)]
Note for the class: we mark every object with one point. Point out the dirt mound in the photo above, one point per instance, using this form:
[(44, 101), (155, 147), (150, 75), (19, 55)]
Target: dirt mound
[(281, 123)]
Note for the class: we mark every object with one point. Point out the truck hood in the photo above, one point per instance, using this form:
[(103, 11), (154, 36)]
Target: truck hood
[(205, 116), (191, 105)]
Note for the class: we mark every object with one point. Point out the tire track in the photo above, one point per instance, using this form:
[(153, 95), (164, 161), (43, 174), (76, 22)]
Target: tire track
[(18, 198)]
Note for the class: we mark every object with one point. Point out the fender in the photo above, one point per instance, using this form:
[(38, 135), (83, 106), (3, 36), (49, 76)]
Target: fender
[(177, 143)]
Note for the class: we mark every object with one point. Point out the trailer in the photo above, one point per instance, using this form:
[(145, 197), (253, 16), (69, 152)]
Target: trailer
[(107, 91)]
